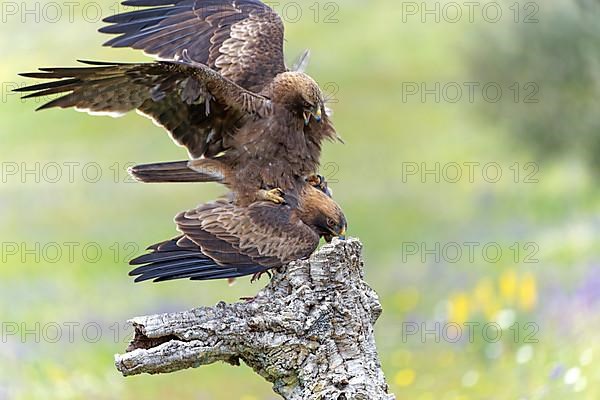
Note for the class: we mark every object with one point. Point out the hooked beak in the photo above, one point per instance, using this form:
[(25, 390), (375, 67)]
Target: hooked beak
[(307, 115), (318, 114), (342, 235)]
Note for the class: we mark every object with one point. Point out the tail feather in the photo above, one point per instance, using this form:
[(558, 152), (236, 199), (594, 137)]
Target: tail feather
[(168, 262), (159, 259), (187, 270), (171, 172), (174, 260), (198, 275)]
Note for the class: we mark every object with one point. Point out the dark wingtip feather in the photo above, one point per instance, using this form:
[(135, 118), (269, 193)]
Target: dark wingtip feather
[(91, 62), (47, 69), (158, 256), (37, 74), (200, 267), (167, 261), (58, 86), (30, 95), (26, 74), (48, 105), (148, 3), (103, 63)]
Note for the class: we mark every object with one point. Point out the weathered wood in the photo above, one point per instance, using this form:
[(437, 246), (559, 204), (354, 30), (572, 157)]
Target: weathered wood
[(309, 332)]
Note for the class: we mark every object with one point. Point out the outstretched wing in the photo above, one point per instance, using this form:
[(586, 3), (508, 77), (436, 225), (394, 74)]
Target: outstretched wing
[(198, 107), (221, 240), (242, 39)]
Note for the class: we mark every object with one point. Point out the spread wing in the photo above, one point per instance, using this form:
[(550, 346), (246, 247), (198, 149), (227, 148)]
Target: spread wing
[(200, 109), (221, 240), (242, 39)]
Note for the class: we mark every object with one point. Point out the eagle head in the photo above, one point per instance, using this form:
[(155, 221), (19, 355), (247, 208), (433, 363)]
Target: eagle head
[(321, 213), (300, 94)]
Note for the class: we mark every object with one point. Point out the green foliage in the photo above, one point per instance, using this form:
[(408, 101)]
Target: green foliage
[(559, 54)]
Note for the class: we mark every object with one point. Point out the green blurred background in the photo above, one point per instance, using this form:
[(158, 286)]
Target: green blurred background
[(400, 79)]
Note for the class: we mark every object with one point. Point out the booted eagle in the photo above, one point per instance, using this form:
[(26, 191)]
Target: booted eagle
[(224, 240), (221, 89)]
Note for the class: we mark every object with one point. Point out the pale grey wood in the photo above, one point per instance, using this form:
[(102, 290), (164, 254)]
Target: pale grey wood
[(309, 332)]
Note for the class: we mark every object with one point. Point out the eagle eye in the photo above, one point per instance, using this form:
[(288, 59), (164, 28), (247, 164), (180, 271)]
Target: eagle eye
[(330, 222)]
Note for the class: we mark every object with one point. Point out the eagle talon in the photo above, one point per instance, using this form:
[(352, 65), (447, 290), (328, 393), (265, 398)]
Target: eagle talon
[(315, 180), (273, 195), (319, 182), (256, 277)]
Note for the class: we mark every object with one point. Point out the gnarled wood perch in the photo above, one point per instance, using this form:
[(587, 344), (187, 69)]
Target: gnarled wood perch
[(309, 332)]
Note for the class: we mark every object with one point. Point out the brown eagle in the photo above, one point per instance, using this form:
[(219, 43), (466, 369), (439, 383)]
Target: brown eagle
[(223, 240), (221, 89)]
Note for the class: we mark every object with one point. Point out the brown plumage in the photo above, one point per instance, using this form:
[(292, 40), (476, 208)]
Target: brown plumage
[(221, 90), (208, 170), (223, 240)]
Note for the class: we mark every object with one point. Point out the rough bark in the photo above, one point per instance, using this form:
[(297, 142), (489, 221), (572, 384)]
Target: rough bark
[(309, 332)]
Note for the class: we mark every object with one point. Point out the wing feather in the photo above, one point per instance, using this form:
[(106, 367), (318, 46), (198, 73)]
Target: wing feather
[(242, 39), (197, 106), (221, 240)]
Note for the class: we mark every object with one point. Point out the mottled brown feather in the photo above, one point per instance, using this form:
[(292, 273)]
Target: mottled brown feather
[(200, 109), (223, 240), (242, 39)]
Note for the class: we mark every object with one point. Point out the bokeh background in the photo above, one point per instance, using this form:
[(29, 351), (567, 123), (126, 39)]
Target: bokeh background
[(469, 172)]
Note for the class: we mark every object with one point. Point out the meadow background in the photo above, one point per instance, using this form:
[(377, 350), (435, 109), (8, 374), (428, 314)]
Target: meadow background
[(69, 225)]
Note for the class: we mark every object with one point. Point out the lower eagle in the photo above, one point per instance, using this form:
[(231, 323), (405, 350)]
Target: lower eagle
[(222, 240)]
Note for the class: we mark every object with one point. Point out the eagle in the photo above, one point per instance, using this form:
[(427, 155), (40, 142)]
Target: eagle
[(223, 240), (220, 87)]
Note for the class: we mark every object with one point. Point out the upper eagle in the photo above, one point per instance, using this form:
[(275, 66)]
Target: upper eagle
[(220, 87)]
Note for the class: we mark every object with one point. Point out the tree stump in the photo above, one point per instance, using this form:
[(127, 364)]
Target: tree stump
[(309, 332)]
